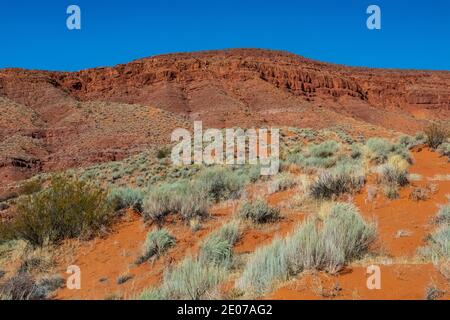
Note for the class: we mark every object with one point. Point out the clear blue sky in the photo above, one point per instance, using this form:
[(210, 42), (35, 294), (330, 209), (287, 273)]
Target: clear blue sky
[(33, 34)]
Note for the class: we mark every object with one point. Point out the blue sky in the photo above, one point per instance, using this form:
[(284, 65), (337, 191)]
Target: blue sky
[(415, 34)]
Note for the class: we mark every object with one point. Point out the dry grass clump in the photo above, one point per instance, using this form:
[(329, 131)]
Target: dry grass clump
[(258, 212), (189, 280), (344, 178), (217, 248), (319, 244), (282, 182), (124, 197), (156, 244), (438, 248), (179, 198)]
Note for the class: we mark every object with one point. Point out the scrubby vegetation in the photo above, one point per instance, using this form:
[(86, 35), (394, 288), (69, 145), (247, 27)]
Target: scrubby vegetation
[(198, 278), (379, 150), (282, 182), (156, 244), (344, 178), (68, 208), (217, 248), (218, 183), (190, 280), (258, 212), (438, 247), (124, 197), (182, 198), (23, 287), (436, 135), (326, 244), (316, 156)]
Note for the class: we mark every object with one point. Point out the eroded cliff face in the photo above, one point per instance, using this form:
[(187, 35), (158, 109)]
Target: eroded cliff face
[(98, 114)]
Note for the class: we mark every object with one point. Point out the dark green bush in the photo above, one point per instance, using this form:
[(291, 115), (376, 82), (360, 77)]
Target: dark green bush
[(69, 208)]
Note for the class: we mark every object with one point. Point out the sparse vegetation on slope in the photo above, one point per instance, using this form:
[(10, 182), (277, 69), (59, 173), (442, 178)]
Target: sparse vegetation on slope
[(323, 245)]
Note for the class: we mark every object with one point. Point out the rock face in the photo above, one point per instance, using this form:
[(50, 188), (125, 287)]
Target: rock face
[(241, 87)]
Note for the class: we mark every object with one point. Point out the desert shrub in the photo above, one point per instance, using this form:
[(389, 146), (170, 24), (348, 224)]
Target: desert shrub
[(419, 194), (393, 175), (443, 215), (49, 284), (356, 150), (317, 156), (282, 182), (163, 153), (181, 197), (322, 245), (191, 280), (438, 244), (408, 142), (258, 212), (391, 191), (124, 197), (217, 248), (218, 183), (378, 149), (438, 247), (444, 149), (344, 178), (432, 293), (266, 265), (69, 208), (436, 135), (30, 187), (345, 236), (324, 150), (156, 244), (20, 287)]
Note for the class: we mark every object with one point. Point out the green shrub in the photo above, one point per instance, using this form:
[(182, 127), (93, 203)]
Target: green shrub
[(356, 150), (219, 183), (156, 244), (124, 197), (258, 212), (341, 237), (344, 178), (217, 249), (324, 150), (378, 149), (436, 135), (69, 208), (282, 182), (182, 197)]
